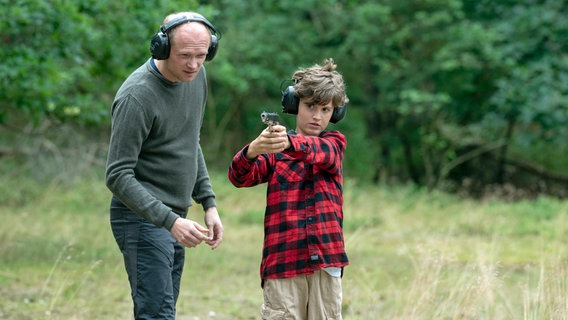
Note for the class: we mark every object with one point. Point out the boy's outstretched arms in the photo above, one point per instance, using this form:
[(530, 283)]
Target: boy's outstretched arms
[(274, 141)]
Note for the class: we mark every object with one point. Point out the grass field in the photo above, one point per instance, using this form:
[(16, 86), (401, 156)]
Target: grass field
[(414, 255)]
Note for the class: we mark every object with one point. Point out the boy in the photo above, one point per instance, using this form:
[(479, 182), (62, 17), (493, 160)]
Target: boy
[(303, 253)]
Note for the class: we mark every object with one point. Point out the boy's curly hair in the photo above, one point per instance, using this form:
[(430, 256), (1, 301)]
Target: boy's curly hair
[(320, 84)]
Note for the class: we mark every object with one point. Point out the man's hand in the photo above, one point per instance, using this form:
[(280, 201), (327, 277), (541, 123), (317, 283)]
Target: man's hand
[(213, 222), (189, 233), (274, 141)]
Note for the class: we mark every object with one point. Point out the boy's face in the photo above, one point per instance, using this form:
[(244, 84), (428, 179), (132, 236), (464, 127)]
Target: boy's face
[(312, 119)]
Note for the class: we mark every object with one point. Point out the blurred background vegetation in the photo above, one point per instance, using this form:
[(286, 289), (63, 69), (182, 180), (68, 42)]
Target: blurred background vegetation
[(467, 96)]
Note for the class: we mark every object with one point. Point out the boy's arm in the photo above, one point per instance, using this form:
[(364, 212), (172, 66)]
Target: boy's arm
[(251, 165), (244, 172), (271, 140), (325, 151)]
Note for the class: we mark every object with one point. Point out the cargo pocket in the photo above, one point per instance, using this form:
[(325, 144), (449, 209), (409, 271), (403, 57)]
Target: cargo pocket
[(269, 314)]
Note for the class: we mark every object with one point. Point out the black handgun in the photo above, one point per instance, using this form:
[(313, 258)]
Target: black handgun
[(270, 119)]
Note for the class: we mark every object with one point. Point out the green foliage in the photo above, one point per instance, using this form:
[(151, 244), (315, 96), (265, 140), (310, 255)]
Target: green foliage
[(435, 86), (65, 59), (534, 93), (446, 77)]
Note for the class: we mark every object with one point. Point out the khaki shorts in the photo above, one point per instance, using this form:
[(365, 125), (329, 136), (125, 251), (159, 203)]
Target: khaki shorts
[(308, 297)]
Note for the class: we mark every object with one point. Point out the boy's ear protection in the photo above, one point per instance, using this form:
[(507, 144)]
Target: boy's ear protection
[(160, 43), (290, 105)]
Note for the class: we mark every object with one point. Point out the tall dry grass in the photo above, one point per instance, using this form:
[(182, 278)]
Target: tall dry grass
[(414, 255)]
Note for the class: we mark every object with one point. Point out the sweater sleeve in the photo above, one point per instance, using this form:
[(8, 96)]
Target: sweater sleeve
[(125, 144), (203, 191)]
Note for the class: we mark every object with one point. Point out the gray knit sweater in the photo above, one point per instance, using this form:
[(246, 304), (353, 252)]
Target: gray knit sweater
[(155, 165)]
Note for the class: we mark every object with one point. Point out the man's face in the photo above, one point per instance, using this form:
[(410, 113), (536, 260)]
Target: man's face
[(189, 46), (312, 119)]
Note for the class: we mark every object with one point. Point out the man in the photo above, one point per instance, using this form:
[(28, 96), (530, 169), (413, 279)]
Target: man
[(155, 165), (303, 254)]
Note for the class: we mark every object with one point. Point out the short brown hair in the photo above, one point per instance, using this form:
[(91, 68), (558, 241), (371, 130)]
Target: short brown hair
[(320, 84)]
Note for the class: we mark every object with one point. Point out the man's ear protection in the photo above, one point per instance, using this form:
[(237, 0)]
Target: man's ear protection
[(290, 105), (160, 43)]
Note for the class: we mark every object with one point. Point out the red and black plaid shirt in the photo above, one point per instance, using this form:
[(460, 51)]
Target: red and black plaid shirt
[(303, 222)]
